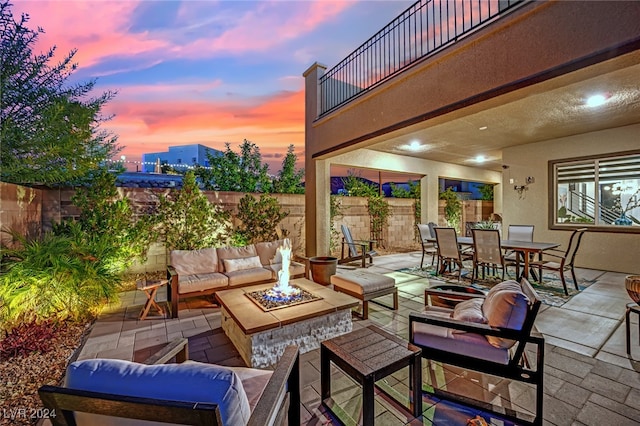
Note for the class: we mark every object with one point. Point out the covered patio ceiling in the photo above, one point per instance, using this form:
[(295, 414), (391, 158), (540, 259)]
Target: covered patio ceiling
[(551, 109)]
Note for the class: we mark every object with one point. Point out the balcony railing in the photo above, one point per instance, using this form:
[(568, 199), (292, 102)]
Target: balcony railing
[(422, 30)]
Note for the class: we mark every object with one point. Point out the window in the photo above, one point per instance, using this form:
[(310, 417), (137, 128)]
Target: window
[(598, 192)]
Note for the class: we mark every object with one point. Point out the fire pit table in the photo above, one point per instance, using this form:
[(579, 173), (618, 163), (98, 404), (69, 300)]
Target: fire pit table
[(260, 334)]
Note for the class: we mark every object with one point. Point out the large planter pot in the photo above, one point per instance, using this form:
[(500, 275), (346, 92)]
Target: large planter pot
[(322, 267), (632, 284)]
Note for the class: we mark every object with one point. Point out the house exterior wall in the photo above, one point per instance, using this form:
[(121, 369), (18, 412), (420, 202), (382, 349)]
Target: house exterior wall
[(599, 250), (538, 41)]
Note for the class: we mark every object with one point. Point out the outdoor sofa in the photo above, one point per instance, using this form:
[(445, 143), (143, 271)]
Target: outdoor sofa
[(205, 271)]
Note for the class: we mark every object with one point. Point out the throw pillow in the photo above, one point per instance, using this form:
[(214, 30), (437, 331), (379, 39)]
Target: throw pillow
[(191, 262), (505, 307), (470, 311), (232, 265)]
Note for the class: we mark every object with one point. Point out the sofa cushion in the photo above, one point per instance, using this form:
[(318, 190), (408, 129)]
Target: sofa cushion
[(234, 253), (232, 265), (190, 262), (505, 306), (463, 343), (190, 382), (268, 252), (201, 282), (470, 311), (248, 276)]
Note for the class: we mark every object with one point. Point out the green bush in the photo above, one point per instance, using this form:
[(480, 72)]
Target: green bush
[(259, 218), (452, 208), (58, 277), (189, 220)]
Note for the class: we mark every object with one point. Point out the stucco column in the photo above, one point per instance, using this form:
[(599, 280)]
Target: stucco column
[(424, 200), (312, 107)]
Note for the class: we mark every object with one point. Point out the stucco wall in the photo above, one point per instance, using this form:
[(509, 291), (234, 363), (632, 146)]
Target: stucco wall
[(599, 250)]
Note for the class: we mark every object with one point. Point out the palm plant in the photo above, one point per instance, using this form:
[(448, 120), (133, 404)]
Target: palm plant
[(57, 277)]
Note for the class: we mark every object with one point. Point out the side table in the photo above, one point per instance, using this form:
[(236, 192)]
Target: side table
[(631, 308), (368, 355), (150, 288)]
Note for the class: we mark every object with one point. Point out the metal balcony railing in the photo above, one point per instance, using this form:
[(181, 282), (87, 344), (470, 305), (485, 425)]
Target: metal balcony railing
[(423, 29)]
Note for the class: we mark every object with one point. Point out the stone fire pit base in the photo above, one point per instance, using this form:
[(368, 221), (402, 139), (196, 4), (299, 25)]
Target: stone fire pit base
[(263, 349)]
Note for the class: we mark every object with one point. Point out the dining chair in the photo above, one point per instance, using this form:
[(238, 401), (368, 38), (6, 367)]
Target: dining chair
[(558, 261), (487, 252), (518, 233), (428, 247), (448, 251)]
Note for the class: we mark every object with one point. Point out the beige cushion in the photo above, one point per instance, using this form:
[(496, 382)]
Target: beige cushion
[(189, 262), (234, 253), (232, 265), (361, 282), (443, 338), (268, 252), (201, 282), (505, 306), (470, 311), (247, 276)]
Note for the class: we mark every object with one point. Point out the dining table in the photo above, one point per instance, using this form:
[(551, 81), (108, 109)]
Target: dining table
[(526, 248)]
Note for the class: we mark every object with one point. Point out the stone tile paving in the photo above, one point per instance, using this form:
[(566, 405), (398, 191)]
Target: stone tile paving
[(588, 378)]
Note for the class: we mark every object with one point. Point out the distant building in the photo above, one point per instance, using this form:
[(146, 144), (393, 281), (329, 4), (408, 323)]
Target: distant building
[(179, 157)]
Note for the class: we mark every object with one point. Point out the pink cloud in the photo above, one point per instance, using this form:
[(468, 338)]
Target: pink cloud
[(97, 29)]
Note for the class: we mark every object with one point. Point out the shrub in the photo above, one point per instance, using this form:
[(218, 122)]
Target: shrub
[(107, 219), (27, 338), (57, 277), (259, 218), (189, 220)]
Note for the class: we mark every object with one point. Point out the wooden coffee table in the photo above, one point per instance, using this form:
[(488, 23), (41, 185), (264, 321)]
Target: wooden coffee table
[(368, 355)]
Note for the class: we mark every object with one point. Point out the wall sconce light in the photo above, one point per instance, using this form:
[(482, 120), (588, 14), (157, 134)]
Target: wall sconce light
[(520, 189)]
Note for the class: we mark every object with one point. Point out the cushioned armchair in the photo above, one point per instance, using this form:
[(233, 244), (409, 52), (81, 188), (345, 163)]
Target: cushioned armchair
[(116, 392), (487, 335)]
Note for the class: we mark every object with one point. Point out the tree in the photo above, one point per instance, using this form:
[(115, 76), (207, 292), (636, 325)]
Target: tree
[(289, 181), (189, 220), (231, 171), (259, 218), (49, 130)]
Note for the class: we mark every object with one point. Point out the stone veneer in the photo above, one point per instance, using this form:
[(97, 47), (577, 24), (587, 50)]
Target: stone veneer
[(264, 349)]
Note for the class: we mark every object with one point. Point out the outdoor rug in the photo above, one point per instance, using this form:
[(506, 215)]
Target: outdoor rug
[(550, 291)]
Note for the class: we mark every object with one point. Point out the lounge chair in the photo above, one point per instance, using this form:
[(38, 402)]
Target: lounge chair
[(487, 335), (357, 250), (107, 391)]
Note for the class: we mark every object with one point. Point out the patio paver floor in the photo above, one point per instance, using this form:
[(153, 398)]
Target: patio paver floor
[(588, 378)]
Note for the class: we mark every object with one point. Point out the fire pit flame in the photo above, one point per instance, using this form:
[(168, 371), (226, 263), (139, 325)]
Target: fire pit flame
[(283, 291)]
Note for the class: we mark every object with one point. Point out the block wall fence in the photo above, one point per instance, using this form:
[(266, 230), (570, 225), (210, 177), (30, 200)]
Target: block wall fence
[(31, 211)]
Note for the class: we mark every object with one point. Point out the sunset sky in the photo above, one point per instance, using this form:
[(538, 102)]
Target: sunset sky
[(205, 72)]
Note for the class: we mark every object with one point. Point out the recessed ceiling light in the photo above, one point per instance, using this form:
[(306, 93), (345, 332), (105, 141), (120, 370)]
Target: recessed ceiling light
[(414, 146), (483, 128), (480, 159), (596, 100)]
